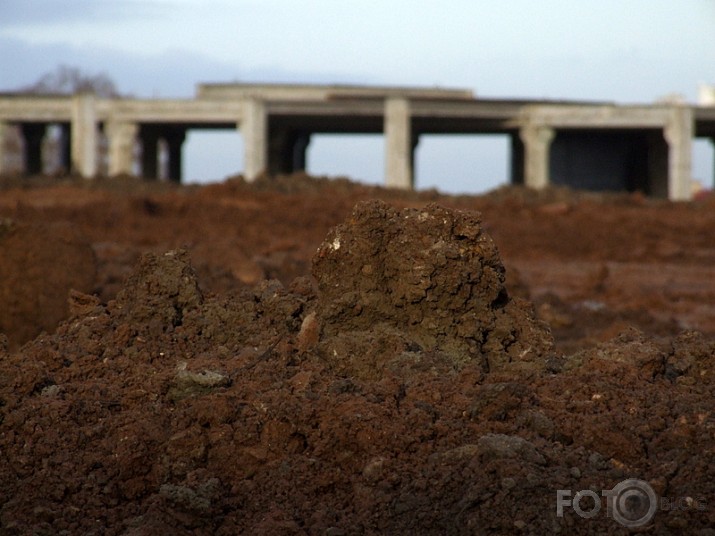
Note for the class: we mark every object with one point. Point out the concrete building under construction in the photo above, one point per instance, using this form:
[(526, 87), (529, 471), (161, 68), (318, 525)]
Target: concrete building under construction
[(587, 145)]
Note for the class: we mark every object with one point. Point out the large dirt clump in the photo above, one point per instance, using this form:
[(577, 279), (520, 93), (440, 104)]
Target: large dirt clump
[(420, 279)]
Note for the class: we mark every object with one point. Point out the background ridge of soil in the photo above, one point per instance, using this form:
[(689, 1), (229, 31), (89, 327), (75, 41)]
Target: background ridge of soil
[(207, 360)]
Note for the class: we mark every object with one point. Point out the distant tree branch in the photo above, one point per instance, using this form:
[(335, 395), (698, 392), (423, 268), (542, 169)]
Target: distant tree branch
[(66, 80)]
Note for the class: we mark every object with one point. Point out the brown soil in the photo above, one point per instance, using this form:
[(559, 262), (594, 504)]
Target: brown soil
[(296, 356)]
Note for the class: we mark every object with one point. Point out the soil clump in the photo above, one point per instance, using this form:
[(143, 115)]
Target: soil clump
[(419, 280)]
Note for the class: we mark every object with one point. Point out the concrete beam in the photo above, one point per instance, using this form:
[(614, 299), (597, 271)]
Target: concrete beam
[(312, 92), (679, 132), (537, 143), (398, 144), (176, 111), (254, 129), (84, 134), (122, 137), (593, 116), (35, 108)]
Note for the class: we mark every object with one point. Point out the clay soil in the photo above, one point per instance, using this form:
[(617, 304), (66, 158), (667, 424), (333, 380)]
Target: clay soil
[(313, 356)]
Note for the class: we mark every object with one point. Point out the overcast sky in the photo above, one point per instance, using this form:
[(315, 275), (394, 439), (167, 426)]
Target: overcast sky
[(614, 50)]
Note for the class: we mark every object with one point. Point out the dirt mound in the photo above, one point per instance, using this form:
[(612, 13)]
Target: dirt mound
[(39, 265), (284, 409), (420, 279)]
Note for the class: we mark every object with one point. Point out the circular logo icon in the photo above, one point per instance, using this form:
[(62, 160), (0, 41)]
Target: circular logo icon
[(633, 502)]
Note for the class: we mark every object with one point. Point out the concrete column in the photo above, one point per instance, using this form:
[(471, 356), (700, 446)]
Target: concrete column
[(398, 144), (122, 136), (33, 133), (174, 140), (678, 134), (537, 143), (254, 129), (84, 135)]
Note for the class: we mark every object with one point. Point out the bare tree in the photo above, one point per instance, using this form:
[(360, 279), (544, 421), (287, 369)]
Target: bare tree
[(66, 80)]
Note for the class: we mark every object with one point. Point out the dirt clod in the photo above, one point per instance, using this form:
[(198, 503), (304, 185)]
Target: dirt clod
[(427, 278)]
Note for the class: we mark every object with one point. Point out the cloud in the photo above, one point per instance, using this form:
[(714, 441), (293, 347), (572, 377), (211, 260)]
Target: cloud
[(171, 74), (42, 12)]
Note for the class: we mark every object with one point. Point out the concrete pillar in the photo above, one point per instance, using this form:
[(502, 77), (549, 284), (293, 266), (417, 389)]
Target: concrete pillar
[(33, 133), (398, 144), (174, 140), (122, 136), (678, 134), (537, 143), (84, 135), (254, 129)]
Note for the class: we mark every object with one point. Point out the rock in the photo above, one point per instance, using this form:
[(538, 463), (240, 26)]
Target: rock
[(191, 500), (374, 469), (463, 452), (538, 422), (188, 383), (498, 446), (309, 333)]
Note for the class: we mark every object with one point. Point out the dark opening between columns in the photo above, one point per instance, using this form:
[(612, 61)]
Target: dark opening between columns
[(174, 137), (33, 133)]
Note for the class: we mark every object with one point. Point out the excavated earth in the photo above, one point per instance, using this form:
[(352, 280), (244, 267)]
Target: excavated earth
[(313, 356)]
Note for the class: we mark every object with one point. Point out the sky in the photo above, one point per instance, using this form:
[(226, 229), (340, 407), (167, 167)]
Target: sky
[(625, 51)]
